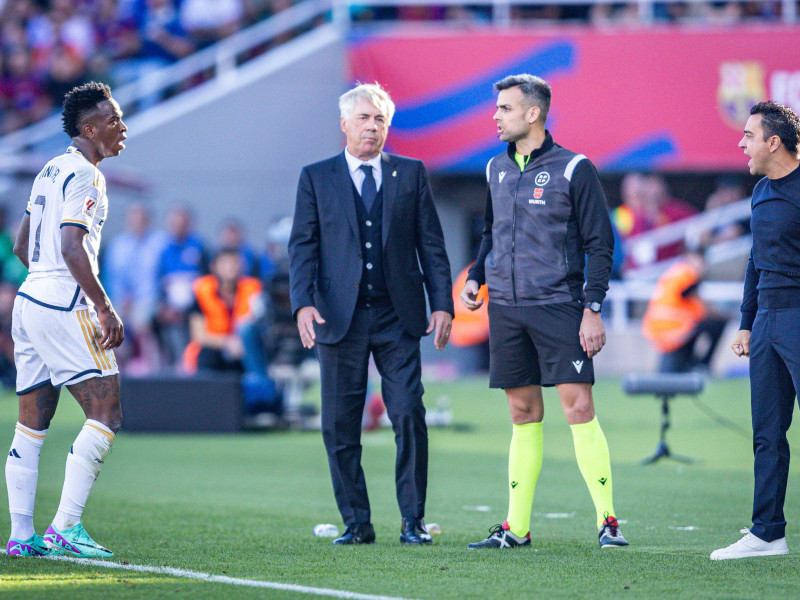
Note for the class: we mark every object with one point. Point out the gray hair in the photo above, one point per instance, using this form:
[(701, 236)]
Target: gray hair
[(535, 90), (371, 92)]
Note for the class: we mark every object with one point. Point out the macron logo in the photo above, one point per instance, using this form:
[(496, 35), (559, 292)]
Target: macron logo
[(501, 175), (578, 364)]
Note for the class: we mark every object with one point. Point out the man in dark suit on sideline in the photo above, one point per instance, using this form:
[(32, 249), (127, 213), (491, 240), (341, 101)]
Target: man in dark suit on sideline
[(364, 224)]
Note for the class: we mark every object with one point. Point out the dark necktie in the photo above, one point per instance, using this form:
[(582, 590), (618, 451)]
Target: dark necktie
[(368, 189)]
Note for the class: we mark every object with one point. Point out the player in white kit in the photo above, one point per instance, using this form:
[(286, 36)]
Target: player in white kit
[(64, 326)]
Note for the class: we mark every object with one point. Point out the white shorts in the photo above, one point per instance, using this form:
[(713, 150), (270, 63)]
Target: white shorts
[(57, 346)]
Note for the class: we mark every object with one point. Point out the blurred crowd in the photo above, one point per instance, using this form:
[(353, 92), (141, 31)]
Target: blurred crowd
[(647, 203), (188, 304), (597, 14), (155, 280), (49, 46)]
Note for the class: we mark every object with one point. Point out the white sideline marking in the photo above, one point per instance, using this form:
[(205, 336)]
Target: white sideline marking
[(556, 515), (185, 574)]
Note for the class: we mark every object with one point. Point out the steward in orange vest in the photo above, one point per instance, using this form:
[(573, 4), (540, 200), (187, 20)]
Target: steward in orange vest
[(676, 317), (675, 310), (469, 327), (222, 301)]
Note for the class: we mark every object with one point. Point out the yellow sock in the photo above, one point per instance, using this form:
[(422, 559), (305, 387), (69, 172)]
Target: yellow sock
[(591, 451), (524, 465)]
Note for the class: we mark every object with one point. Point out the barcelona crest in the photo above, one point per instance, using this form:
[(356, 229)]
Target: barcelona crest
[(741, 86)]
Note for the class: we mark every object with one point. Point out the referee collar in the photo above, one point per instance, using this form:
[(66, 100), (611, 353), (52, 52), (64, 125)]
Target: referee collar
[(547, 145)]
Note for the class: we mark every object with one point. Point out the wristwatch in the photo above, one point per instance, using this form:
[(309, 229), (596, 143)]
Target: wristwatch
[(595, 307)]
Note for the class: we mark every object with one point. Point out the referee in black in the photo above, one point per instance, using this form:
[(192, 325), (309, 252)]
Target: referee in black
[(545, 213), (770, 326)]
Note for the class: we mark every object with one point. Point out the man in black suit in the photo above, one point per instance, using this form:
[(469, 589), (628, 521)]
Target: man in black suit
[(364, 224)]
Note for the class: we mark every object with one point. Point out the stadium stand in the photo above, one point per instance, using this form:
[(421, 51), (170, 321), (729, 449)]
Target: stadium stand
[(49, 46)]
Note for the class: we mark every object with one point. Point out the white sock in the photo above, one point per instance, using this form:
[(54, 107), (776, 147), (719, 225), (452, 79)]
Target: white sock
[(84, 461), (22, 474)]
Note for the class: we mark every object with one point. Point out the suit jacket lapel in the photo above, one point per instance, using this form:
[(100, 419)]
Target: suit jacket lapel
[(389, 176), (343, 187)]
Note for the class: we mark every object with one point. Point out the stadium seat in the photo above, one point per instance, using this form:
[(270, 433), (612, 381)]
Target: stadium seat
[(665, 386)]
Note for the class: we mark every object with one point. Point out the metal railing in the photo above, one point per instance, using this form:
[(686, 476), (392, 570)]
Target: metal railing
[(639, 284), (644, 247), (621, 294)]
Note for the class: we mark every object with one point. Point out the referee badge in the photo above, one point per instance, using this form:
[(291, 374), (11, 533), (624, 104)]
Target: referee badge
[(542, 178)]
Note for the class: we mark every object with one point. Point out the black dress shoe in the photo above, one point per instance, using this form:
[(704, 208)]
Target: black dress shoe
[(412, 531), (357, 533)]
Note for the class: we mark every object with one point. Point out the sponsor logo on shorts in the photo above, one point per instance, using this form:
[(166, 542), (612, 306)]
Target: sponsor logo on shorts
[(578, 364)]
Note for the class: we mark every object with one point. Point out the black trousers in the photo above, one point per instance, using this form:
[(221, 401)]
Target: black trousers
[(684, 358), (375, 329), (211, 359), (774, 384)]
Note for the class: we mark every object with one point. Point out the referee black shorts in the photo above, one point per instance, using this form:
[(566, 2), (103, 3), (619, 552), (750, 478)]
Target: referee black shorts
[(537, 345)]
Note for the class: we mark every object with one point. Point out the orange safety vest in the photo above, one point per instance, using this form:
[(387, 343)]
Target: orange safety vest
[(469, 327), (217, 314), (671, 318)]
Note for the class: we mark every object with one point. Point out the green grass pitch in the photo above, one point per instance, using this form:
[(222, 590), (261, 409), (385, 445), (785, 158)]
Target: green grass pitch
[(244, 506)]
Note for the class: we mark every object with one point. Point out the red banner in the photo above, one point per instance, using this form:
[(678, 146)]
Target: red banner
[(659, 98)]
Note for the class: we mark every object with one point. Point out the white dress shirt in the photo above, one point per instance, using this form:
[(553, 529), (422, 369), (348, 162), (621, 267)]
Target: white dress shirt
[(357, 175)]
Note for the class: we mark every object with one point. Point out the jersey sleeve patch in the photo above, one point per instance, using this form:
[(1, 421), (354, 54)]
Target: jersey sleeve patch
[(90, 201)]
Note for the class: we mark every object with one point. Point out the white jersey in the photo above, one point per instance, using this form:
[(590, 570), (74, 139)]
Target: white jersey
[(68, 192)]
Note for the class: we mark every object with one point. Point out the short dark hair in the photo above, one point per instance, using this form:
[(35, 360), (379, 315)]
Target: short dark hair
[(535, 90), (79, 102), (226, 251), (779, 120)]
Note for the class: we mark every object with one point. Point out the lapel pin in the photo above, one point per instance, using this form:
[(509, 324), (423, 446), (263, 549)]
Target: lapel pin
[(394, 173)]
